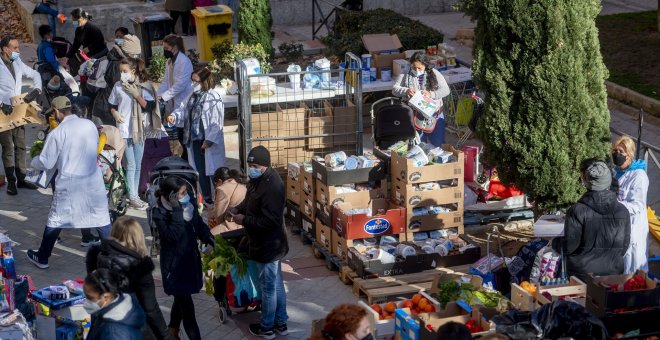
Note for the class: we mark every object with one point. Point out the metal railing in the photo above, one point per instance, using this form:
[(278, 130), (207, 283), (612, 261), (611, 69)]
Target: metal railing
[(327, 21)]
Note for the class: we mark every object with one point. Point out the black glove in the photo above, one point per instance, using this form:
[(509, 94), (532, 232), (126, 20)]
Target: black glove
[(7, 109), (174, 200), (32, 96)]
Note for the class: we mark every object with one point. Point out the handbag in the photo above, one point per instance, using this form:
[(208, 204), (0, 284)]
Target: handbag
[(426, 109)]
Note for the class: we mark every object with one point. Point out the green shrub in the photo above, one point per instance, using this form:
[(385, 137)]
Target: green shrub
[(225, 54), (351, 26), (193, 55), (156, 69), (293, 52), (255, 23)]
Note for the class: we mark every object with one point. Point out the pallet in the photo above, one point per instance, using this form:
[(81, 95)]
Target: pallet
[(331, 262), (383, 289), (306, 237), (347, 275)]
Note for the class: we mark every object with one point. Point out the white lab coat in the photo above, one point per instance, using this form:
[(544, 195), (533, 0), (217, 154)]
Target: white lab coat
[(181, 88), (633, 187), (79, 200), (10, 86), (213, 116)]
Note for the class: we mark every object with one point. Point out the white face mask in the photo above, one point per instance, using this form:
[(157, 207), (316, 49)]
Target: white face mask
[(196, 86), (126, 77), (91, 307)]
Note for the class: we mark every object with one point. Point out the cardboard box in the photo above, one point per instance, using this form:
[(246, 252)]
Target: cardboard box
[(415, 224), (308, 225), (406, 327), (384, 329), (430, 323), (319, 122), (267, 121), (330, 177), (340, 245), (292, 212), (384, 49), (330, 195), (323, 235), (400, 66), (602, 300), (293, 115), (344, 115), (404, 169), (405, 195), (293, 189), (367, 268), (356, 226), (307, 206), (576, 290), (308, 183), (21, 114)]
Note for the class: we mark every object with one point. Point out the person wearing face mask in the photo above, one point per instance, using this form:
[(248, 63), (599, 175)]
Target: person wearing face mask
[(180, 226), (633, 188), (12, 72), (345, 322), (79, 199), (262, 216), (423, 77), (56, 87), (597, 227), (202, 130), (129, 43), (87, 36), (230, 191), (115, 315), (131, 98), (176, 87)]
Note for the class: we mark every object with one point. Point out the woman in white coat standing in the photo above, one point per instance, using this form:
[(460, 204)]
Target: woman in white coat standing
[(633, 187), (203, 136), (176, 87)]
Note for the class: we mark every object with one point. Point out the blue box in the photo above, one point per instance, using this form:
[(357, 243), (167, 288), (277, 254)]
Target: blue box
[(57, 304), (405, 325), (66, 332)]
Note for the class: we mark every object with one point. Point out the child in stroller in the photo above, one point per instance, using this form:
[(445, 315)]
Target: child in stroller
[(111, 151)]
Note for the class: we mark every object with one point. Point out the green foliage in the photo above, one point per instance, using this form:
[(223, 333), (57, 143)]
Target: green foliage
[(539, 64), (35, 149), (193, 55), (293, 52), (352, 25), (254, 24), (156, 69), (220, 262), (226, 54)]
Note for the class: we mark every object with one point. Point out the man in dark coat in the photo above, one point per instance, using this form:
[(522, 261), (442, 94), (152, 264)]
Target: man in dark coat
[(262, 215), (597, 227)]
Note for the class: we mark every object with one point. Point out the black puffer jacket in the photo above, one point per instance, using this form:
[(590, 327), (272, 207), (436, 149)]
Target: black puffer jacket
[(112, 255), (596, 235), (263, 208)]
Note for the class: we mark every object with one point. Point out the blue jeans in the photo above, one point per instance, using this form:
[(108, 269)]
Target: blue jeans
[(133, 156), (52, 16), (273, 295), (51, 235), (200, 164), (437, 137)]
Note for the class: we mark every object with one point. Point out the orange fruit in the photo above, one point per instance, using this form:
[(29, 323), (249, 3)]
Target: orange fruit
[(390, 307), (377, 308), (423, 302), (407, 304), (389, 317), (429, 308), (415, 299)]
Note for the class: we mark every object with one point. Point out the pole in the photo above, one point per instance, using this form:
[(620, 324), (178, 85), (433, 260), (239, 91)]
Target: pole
[(639, 132)]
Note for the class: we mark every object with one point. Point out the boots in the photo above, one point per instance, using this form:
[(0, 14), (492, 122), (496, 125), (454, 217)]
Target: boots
[(21, 183), (11, 181)]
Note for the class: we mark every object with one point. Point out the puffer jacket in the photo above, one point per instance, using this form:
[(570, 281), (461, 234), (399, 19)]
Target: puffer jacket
[(596, 235), (122, 319), (263, 208), (114, 256), (101, 107)]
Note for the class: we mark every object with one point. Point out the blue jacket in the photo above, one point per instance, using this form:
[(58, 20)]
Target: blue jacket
[(46, 53), (122, 319)]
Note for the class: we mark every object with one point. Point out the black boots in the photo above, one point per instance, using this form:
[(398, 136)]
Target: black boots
[(10, 174)]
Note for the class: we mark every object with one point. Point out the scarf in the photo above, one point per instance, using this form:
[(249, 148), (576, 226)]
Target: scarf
[(138, 133), (137, 125), (638, 164), (194, 108), (153, 120)]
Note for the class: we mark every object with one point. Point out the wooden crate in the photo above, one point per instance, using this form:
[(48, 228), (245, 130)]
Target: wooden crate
[(385, 289), (575, 291)]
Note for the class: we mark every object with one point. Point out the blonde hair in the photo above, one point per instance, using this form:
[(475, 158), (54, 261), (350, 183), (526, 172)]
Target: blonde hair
[(128, 232), (628, 145)]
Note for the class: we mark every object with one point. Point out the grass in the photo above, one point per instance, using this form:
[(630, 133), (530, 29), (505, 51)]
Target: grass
[(630, 44)]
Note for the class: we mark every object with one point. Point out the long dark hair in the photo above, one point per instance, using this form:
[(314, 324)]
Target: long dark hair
[(431, 79), (138, 66), (103, 281), (168, 185), (80, 13), (224, 173)]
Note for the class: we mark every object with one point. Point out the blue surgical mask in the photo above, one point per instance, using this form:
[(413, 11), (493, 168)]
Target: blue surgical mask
[(119, 41), (254, 173), (185, 199), (75, 24), (14, 56), (416, 73)]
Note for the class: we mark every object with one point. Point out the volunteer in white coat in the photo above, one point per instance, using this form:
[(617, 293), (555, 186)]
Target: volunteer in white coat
[(633, 187), (12, 72), (79, 200), (176, 86), (203, 134)]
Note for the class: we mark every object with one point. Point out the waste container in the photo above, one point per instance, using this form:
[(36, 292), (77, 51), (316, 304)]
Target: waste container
[(213, 24), (151, 29)]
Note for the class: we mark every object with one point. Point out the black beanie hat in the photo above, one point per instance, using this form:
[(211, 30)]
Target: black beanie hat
[(259, 155)]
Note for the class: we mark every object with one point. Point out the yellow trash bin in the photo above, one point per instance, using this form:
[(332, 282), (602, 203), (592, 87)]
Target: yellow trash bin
[(213, 25)]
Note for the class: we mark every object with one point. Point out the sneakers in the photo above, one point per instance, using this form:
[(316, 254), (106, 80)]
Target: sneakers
[(282, 330), (256, 329), (33, 256), (92, 242), (137, 204)]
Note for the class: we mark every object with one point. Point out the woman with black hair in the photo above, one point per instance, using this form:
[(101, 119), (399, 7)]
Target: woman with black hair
[(115, 315), (87, 35), (423, 77), (230, 190), (180, 226)]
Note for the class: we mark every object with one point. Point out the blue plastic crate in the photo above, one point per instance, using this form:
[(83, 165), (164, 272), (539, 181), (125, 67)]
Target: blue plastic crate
[(405, 325), (74, 299)]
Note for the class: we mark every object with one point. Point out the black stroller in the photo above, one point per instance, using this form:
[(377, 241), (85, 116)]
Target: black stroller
[(391, 122)]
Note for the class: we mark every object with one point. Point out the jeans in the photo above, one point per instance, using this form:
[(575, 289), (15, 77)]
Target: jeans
[(51, 235), (133, 157), (52, 15), (437, 137), (273, 295), (200, 164)]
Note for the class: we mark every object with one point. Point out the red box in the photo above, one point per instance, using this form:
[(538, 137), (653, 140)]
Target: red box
[(471, 162), (358, 226)]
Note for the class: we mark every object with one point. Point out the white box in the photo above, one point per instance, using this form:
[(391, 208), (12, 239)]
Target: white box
[(549, 226), (400, 66)]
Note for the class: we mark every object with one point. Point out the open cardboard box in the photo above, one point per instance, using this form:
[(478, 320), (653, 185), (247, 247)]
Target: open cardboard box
[(474, 280), (575, 291), (365, 267), (430, 323), (385, 328), (338, 177), (384, 49), (330, 195), (355, 226), (22, 114), (602, 300), (405, 194), (404, 169)]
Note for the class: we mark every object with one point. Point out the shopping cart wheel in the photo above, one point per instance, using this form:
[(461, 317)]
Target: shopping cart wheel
[(222, 314), (317, 253), (41, 135)]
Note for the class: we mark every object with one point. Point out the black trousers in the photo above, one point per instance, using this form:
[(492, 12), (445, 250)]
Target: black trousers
[(183, 309), (185, 20)]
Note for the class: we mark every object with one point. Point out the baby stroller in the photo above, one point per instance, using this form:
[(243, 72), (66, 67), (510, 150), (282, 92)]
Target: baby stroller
[(170, 166), (392, 122), (113, 176)]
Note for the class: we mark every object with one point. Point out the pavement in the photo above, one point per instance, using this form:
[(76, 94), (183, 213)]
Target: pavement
[(312, 290)]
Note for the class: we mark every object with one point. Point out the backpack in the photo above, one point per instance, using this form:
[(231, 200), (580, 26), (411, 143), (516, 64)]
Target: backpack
[(96, 75)]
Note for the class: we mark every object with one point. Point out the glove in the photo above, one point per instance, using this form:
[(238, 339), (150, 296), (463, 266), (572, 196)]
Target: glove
[(132, 89), (117, 116), (7, 109), (31, 96), (174, 200)]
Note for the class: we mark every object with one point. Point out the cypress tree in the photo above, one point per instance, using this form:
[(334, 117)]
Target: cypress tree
[(539, 63), (254, 24)]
